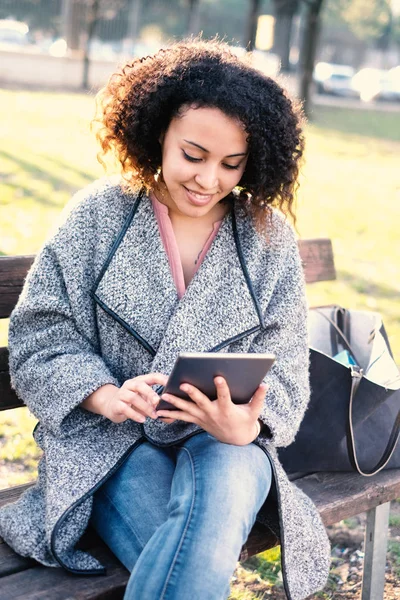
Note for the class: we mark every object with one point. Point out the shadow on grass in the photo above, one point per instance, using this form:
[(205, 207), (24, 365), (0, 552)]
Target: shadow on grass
[(367, 123), (366, 286), (28, 193), (67, 167), (58, 183)]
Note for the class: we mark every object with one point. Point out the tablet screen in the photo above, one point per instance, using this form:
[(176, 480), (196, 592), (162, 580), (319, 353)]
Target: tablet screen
[(243, 374)]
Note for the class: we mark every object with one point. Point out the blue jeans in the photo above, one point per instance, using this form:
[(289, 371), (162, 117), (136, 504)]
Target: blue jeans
[(177, 517)]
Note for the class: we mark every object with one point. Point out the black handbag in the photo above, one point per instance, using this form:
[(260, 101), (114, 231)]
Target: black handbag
[(353, 418)]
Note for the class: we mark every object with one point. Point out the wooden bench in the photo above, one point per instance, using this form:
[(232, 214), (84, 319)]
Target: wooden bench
[(337, 495)]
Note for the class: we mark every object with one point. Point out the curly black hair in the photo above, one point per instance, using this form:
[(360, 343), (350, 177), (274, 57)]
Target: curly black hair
[(140, 100)]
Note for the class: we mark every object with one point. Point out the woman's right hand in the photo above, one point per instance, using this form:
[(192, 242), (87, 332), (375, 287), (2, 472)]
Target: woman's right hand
[(135, 399)]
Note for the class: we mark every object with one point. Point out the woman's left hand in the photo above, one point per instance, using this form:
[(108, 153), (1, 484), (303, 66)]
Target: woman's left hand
[(228, 422)]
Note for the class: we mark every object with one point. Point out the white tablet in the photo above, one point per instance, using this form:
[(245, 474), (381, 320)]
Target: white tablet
[(243, 374)]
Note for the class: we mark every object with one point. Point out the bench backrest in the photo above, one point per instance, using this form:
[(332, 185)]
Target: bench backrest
[(317, 257)]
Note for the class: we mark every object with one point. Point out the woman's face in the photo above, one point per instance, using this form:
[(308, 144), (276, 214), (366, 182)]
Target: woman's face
[(204, 154)]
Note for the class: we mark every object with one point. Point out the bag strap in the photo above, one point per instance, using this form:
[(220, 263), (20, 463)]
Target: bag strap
[(345, 341), (356, 376), (333, 332), (342, 320)]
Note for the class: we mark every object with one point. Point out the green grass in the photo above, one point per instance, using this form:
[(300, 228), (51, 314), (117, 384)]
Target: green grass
[(349, 193), (19, 454), (394, 521), (46, 154), (351, 523), (267, 565), (394, 549), (365, 123)]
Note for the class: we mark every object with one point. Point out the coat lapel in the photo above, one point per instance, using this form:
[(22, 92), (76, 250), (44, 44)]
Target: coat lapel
[(135, 285), (219, 305)]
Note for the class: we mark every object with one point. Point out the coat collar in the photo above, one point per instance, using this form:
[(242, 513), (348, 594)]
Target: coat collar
[(136, 288)]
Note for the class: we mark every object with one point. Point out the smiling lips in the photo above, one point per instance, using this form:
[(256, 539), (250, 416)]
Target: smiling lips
[(197, 198)]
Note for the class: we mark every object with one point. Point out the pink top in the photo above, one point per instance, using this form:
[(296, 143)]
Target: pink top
[(171, 246)]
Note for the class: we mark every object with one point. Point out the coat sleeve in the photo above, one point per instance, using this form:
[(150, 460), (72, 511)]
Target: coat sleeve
[(285, 335), (55, 360)]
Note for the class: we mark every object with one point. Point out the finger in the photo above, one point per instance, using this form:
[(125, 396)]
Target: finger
[(177, 414), (186, 406), (196, 395), (223, 391), (153, 378), (148, 378), (146, 392), (136, 401), (130, 413), (257, 401)]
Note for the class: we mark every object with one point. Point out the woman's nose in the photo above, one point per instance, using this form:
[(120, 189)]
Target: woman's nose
[(207, 179)]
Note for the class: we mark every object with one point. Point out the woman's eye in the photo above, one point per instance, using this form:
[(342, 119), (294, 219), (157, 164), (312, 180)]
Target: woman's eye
[(190, 158), (196, 160)]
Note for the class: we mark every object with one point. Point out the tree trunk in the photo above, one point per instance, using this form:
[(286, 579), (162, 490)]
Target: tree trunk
[(73, 17), (193, 22), (134, 8), (250, 41), (284, 13), (91, 23), (310, 37)]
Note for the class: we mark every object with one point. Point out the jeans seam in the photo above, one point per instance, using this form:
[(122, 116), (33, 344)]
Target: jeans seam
[(169, 574), (127, 523)]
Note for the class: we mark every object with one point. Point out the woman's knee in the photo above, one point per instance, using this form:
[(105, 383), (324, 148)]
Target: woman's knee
[(234, 479)]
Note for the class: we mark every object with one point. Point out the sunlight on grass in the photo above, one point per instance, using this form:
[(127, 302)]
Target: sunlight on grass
[(46, 154), (19, 454)]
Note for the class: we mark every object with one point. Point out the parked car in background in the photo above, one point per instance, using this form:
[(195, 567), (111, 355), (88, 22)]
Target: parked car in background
[(393, 83), (368, 83), (377, 84), (13, 34), (334, 79)]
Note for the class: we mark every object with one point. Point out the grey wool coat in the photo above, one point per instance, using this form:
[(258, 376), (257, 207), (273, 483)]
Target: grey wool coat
[(100, 306)]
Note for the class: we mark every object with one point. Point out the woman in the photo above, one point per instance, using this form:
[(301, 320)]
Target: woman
[(189, 251)]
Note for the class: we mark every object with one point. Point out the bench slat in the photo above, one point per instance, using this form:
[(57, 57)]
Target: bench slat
[(317, 258), (43, 582), (13, 270), (11, 562), (339, 496), (12, 494)]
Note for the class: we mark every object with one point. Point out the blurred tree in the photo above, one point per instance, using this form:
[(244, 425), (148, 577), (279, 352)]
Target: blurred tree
[(93, 12), (254, 11), (193, 21), (310, 35), (73, 23), (92, 19), (134, 9), (284, 11), (368, 21)]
